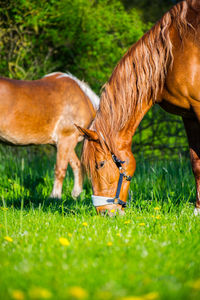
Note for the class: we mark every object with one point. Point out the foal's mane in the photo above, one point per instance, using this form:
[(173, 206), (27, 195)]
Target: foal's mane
[(139, 76)]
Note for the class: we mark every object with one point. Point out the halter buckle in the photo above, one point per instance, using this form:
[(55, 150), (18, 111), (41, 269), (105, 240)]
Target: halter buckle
[(120, 202)]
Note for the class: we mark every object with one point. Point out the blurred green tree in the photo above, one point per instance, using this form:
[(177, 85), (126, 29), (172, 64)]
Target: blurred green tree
[(150, 10), (86, 38)]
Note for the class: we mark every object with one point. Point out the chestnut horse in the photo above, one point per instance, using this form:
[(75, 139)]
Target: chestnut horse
[(44, 112), (162, 67)]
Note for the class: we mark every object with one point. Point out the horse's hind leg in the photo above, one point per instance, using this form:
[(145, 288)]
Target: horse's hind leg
[(192, 127), (76, 167), (65, 148)]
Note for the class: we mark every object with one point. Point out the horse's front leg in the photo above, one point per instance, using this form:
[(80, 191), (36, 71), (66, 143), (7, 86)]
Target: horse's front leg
[(76, 167), (192, 127), (64, 148)]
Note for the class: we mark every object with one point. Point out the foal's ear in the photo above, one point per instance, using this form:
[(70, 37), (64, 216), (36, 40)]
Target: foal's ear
[(88, 134)]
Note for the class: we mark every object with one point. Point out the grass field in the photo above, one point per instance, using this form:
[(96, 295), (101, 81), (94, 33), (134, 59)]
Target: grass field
[(63, 250)]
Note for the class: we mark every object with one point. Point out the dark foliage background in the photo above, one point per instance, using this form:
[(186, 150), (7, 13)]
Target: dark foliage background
[(86, 38)]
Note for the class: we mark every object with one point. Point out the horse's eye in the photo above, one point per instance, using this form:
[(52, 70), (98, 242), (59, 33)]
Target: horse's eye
[(100, 164)]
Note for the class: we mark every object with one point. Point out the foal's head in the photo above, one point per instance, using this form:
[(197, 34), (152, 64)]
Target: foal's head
[(104, 169)]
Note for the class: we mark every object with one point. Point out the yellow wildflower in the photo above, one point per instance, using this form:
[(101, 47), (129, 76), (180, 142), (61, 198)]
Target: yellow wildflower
[(4, 208), (77, 292), (158, 217), (64, 241), (112, 210), (18, 295), (103, 295), (69, 234), (141, 224), (127, 222), (39, 293), (156, 208), (8, 239), (195, 284), (132, 298), (85, 224), (109, 244), (151, 296)]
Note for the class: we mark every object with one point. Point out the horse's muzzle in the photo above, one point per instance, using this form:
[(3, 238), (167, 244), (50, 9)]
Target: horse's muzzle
[(106, 205)]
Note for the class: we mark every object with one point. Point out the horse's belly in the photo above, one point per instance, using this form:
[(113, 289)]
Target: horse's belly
[(10, 139), (23, 133), (172, 108), (24, 124)]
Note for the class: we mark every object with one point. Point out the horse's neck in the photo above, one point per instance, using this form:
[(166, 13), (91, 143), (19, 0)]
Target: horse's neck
[(129, 129), (121, 141)]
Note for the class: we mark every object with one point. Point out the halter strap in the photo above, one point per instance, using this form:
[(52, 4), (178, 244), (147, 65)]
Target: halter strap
[(119, 185), (100, 200)]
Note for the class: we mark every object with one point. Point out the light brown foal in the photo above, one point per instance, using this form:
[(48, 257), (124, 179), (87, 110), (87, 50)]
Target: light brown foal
[(44, 112)]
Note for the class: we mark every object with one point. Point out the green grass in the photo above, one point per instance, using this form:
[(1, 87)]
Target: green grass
[(147, 254)]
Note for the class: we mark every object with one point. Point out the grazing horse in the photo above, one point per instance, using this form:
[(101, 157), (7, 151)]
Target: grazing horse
[(163, 67), (44, 112)]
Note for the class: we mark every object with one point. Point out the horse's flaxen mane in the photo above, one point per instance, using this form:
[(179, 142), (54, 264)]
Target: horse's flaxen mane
[(139, 76)]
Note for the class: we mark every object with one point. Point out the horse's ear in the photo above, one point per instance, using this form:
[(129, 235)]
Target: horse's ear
[(88, 134)]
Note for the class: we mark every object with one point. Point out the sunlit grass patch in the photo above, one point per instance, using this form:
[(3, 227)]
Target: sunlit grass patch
[(62, 250)]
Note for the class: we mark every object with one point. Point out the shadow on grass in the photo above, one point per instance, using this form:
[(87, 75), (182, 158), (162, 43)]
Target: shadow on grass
[(27, 182), (66, 205), (27, 179)]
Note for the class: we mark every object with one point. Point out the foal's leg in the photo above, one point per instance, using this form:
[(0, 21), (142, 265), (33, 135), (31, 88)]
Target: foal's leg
[(76, 167), (192, 127), (65, 147)]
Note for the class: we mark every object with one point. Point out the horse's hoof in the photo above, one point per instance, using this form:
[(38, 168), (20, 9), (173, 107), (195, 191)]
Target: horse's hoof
[(76, 193), (197, 211), (55, 196)]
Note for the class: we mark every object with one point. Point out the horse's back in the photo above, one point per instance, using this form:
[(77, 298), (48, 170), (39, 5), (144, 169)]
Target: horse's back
[(76, 105)]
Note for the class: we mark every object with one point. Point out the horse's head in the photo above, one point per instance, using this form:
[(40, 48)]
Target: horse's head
[(109, 174)]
